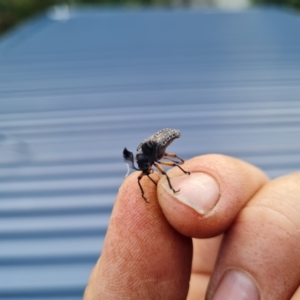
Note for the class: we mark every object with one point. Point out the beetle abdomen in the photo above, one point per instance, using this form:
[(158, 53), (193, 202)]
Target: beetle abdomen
[(162, 138)]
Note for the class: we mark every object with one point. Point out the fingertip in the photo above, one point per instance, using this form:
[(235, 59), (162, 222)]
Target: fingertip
[(199, 191), (209, 198)]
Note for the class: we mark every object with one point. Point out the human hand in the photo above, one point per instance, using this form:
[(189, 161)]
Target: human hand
[(148, 251)]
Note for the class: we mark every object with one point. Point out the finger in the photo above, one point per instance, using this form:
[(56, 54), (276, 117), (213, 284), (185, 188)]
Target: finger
[(142, 256), (204, 257), (296, 295), (210, 198), (260, 256)]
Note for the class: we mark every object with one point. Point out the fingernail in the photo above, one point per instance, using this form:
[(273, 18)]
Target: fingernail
[(236, 285), (199, 191)]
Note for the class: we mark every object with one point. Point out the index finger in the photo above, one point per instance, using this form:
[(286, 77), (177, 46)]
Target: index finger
[(143, 257)]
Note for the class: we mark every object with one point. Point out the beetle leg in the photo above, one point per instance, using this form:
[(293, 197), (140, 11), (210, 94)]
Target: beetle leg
[(141, 188), (172, 164), (168, 155), (178, 162), (162, 171), (152, 180)]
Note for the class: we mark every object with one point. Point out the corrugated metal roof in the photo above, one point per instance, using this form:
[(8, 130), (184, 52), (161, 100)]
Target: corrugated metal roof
[(75, 90)]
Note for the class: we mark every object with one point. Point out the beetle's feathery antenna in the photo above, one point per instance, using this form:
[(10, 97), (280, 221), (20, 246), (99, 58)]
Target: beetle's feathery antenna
[(128, 157)]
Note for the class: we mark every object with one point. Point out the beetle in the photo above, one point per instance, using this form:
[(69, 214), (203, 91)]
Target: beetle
[(150, 152)]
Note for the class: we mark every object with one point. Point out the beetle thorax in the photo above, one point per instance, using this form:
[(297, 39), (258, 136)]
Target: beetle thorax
[(144, 162)]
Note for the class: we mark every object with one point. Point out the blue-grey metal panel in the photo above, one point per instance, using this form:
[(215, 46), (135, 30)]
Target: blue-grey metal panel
[(74, 92)]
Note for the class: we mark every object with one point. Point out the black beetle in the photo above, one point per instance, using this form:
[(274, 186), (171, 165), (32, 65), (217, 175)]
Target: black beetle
[(149, 153)]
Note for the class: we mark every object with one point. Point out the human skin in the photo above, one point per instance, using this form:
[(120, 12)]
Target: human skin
[(229, 233)]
